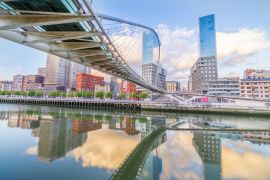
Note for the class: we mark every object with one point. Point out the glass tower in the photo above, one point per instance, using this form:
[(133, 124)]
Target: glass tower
[(207, 36), (150, 44)]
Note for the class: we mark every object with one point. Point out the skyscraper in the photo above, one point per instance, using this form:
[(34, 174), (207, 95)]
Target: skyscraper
[(150, 45), (61, 73), (207, 36), (204, 69)]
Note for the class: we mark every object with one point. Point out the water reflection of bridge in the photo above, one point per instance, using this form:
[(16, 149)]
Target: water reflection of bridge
[(132, 166)]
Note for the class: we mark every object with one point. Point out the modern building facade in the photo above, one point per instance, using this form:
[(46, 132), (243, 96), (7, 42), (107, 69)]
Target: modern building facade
[(18, 83), (225, 87), (33, 82), (207, 32), (205, 68), (61, 73), (256, 73), (154, 75), (258, 88), (173, 86), (87, 82), (202, 72), (42, 72), (150, 48)]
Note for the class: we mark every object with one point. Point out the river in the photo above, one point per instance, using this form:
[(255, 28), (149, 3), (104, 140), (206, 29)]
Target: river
[(39, 142)]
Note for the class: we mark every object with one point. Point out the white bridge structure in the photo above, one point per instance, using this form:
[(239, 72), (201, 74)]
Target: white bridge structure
[(72, 30)]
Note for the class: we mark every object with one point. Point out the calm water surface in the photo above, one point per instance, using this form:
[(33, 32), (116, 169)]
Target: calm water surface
[(61, 143)]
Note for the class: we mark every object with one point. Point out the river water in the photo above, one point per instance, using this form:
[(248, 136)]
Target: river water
[(39, 142)]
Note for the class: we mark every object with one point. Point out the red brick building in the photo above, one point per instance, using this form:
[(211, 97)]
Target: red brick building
[(87, 82), (128, 87)]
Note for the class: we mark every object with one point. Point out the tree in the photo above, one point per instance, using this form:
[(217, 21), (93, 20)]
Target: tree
[(70, 94), (88, 94), (62, 94), (79, 94), (100, 94), (17, 93), (55, 94), (8, 93), (39, 94), (23, 93), (133, 95), (109, 95), (143, 95), (31, 93), (122, 95)]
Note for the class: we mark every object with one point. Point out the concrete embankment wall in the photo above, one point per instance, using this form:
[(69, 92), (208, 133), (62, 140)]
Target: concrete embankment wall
[(138, 106), (73, 103), (205, 110)]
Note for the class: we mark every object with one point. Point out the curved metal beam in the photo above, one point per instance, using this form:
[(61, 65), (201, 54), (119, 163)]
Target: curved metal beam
[(103, 16)]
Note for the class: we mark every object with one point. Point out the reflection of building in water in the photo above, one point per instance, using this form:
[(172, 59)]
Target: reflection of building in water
[(257, 137), (113, 122), (128, 125), (23, 120), (82, 126), (153, 165), (4, 115), (56, 139), (208, 146), (13, 119)]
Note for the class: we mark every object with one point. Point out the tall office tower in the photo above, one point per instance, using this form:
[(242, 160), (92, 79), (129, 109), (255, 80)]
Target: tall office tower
[(205, 68), (207, 36), (208, 146), (61, 73), (42, 71), (74, 69), (151, 72), (56, 73), (150, 48), (17, 83)]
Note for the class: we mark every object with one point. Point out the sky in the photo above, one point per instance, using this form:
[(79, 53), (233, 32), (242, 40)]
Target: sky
[(243, 35)]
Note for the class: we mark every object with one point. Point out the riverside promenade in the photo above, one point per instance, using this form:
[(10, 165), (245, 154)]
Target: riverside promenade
[(140, 105)]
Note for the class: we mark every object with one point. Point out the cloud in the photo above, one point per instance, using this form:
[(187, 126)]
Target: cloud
[(236, 47), (32, 150), (102, 150), (180, 48)]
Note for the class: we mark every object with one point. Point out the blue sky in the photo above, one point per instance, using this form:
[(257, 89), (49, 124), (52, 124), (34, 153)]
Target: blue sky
[(243, 34)]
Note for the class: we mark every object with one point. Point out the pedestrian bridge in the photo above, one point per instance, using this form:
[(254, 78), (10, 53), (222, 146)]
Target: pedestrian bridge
[(71, 29)]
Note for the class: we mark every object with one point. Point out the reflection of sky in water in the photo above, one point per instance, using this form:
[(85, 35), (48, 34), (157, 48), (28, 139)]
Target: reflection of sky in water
[(97, 151), (239, 159), (105, 149)]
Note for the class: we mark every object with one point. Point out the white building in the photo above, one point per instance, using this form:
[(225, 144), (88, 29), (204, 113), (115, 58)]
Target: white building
[(154, 75), (202, 72), (224, 87), (18, 83)]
